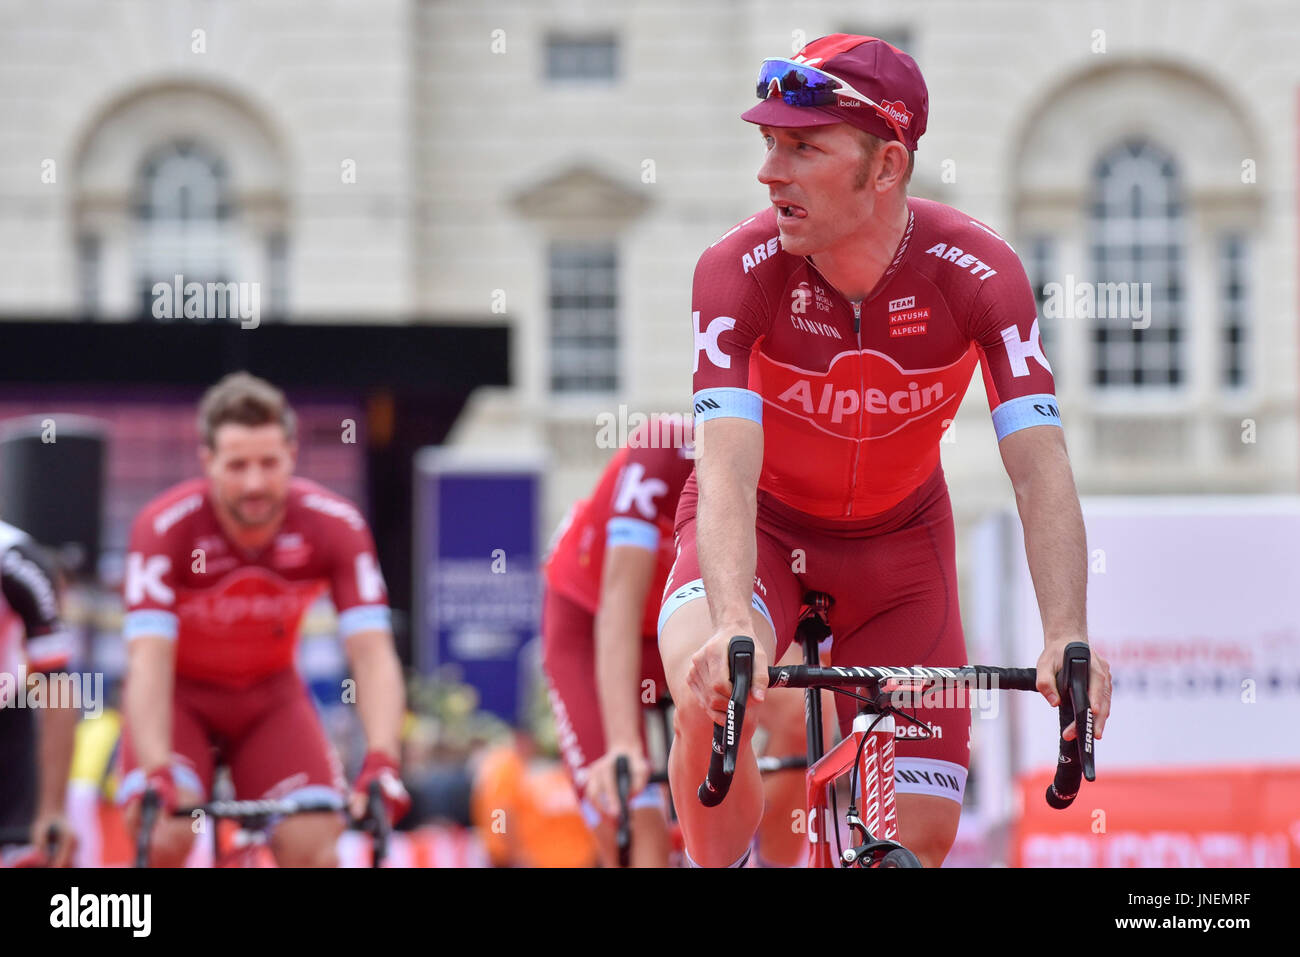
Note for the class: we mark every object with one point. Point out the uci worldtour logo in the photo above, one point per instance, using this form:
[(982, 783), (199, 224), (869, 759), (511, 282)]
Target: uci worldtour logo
[(803, 296)]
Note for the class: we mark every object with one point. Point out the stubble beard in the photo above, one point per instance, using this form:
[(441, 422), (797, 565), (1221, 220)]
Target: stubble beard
[(236, 512)]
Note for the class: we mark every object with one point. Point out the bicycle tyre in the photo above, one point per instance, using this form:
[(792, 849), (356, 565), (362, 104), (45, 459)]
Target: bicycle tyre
[(900, 857)]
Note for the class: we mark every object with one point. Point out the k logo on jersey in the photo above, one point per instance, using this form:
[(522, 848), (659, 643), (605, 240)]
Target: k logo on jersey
[(706, 340), (635, 489), (144, 579), (370, 580), (1019, 351)]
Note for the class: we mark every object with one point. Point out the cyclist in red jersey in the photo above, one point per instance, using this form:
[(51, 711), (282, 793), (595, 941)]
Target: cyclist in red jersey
[(220, 572), (835, 334), (605, 576)]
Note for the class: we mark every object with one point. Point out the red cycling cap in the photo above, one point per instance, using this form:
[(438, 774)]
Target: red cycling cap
[(872, 67)]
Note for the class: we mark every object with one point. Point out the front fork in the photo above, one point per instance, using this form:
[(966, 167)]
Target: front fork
[(879, 811)]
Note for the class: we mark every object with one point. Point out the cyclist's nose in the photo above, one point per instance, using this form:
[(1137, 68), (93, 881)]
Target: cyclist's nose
[(255, 480), (772, 169)]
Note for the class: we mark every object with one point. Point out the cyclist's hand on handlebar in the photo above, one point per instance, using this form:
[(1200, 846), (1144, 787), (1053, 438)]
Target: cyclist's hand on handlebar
[(1049, 663), (160, 781), (50, 833), (602, 787), (383, 768), (710, 675)]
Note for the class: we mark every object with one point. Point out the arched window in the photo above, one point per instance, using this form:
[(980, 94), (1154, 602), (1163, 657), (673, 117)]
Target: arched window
[(184, 218), (1136, 241), (158, 195)]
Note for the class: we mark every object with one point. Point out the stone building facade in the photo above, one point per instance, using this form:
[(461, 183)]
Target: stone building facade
[(559, 167)]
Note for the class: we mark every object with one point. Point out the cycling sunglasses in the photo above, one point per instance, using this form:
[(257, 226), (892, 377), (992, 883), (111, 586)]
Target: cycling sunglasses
[(802, 85)]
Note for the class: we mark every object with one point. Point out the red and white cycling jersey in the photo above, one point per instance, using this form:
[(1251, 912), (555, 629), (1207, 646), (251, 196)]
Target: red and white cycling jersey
[(634, 503), (235, 616), (853, 408)]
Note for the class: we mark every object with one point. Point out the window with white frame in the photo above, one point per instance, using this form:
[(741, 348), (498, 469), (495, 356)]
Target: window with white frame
[(1233, 307), (585, 59), (1136, 246), (583, 317), (184, 219)]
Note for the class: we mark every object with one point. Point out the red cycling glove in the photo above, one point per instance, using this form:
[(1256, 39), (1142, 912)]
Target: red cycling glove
[(378, 766), (159, 780)]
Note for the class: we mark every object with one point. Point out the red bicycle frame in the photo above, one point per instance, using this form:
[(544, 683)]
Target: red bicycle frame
[(874, 751)]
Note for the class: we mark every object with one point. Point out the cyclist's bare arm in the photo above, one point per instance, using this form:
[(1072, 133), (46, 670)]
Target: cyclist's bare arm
[(57, 728), (33, 590), (728, 459), (147, 698), (381, 696), (625, 581), (1056, 548)]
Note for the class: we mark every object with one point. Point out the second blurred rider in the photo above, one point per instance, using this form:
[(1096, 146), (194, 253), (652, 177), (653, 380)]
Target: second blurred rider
[(604, 579)]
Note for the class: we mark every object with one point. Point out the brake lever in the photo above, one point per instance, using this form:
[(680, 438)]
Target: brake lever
[(1078, 684), (623, 836)]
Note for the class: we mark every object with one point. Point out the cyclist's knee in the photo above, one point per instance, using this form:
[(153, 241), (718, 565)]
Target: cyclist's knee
[(690, 719), (932, 852), (171, 844), (323, 855), (308, 840), (684, 633), (318, 853), (693, 725), (928, 826)]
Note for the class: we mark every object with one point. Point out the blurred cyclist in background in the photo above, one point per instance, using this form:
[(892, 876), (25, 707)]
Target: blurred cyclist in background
[(35, 742), (604, 579), (220, 572)]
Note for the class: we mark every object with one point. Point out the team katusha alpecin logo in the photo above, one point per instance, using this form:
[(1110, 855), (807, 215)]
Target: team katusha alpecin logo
[(835, 400)]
